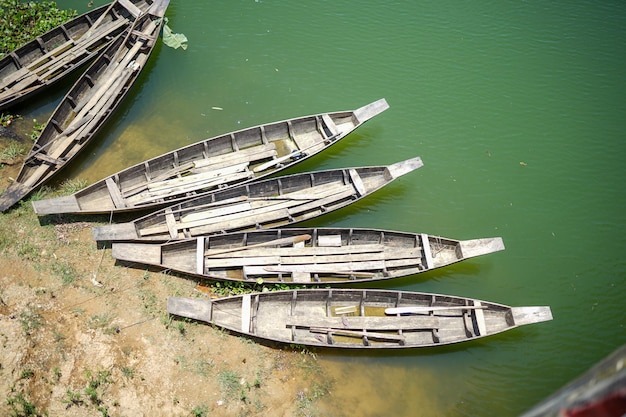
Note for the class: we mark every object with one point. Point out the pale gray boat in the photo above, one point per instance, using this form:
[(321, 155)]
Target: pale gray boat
[(358, 318), (307, 255), (265, 204), (214, 164)]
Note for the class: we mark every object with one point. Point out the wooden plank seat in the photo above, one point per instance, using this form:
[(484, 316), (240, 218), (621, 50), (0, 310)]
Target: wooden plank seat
[(374, 323)]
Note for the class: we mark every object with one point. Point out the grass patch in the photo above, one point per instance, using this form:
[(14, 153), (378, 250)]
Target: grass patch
[(12, 152), (102, 322), (30, 320), (65, 272), (21, 407), (71, 186), (229, 384)]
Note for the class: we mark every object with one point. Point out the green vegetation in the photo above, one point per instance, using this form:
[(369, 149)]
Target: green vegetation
[(21, 21), (21, 407)]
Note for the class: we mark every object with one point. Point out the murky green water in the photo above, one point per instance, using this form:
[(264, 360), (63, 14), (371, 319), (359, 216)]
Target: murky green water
[(518, 111)]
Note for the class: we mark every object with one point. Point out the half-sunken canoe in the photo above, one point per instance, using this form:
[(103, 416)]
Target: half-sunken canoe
[(265, 204), (59, 52), (307, 256), (217, 163), (88, 104), (351, 318)]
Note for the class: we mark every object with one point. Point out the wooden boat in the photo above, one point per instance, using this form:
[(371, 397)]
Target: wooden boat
[(217, 163), (265, 204), (59, 52), (358, 318), (599, 392), (307, 256), (88, 104)]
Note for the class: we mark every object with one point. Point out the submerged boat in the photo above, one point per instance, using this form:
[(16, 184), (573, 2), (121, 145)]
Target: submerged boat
[(59, 52), (217, 163), (88, 104), (264, 204), (307, 256), (358, 318)]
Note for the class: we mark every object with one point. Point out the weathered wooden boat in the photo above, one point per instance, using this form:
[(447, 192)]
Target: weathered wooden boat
[(307, 256), (358, 318), (88, 104), (217, 163), (599, 392), (265, 204), (59, 52)]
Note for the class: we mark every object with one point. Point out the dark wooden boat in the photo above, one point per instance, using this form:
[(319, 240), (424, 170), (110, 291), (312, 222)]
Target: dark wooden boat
[(217, 163), (62, 50), (265, 204), (358, 318), (307, 256), (88, 104)]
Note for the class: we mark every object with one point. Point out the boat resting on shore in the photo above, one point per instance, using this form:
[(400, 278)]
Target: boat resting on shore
[(307, 255), (357, 318), (223, 161), (62, 50), (88, 104), (264, 204)]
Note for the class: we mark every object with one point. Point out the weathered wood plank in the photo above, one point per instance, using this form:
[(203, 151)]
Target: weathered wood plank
[(480, 319), (115, 193), (330, 124), (366, 322), (245, 313), (329, 241), (298, 251), (357, 182)]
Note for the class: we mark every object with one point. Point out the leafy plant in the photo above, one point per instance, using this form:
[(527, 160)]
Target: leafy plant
[(37, 128), (21, 407), (22, 21)]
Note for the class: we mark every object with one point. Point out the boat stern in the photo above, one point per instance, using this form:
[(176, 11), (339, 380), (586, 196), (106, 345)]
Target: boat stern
[(59, 205), (12, 195), (143, 253), (113, 232), (195, 309)]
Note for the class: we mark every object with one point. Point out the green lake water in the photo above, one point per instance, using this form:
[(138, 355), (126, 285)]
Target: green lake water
[(518, 110)]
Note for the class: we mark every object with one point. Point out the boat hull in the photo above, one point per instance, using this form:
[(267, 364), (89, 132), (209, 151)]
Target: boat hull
[(266, 204), (213, 164), (357, 319), (305, 256), (88, 104)]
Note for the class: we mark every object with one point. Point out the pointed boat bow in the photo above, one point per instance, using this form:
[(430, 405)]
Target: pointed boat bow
[(529, 315), (368, 111), (404, 167), (477, 247)]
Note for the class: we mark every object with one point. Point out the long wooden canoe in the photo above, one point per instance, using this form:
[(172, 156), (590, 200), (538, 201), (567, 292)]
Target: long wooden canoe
[(88, 104), (59, 52), (216, 163), (307, 256), (358, 318), (265, 204)]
